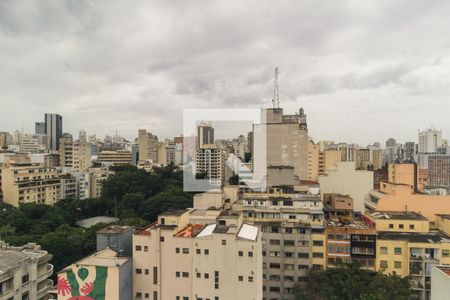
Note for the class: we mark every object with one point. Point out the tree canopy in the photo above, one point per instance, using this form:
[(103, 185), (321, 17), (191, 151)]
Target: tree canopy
[(137, 196), (350, 282)]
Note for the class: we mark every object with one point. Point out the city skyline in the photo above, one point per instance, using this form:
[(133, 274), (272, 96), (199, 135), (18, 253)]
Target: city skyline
[(118, 66)]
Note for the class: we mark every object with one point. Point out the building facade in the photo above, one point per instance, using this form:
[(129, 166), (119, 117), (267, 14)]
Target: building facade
[(24, 272), (198, 254)]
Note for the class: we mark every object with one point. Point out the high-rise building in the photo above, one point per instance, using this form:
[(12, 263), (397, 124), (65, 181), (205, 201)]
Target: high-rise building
[(198, 254), (293, 235), (429, 140), (410, 151), (66, 155), (439, 170), (82, 136), (39, 128), (205, 135), (24, 272), (54, 130), (148, 146), (210, 161), (281, 140)]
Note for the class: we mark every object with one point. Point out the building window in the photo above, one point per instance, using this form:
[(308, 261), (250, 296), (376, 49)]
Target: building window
[(446, 253), (177, 274), (185, 274), (206, 275), (185, 250), (146, 248), (138, 271), (240, 253), (317, 254), (250, 254), (250, 278), (25, 279), (198, 251), (383, 264), (138, 248), (318, 243), (397, 251), (240, 278), (224, 242), (146, 272), (177, 250), (401, 226), (411, 226), (206, 251), (161, 239), (398, 264), (391, 226), (383, 250)]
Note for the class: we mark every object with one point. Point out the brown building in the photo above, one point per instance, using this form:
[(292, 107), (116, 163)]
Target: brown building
[(439, 170), (337, 206)]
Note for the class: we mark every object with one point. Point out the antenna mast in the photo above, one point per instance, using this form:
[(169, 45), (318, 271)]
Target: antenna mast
[(276, 92)]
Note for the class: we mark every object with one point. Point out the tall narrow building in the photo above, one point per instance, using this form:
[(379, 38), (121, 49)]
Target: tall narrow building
[(53, 129), (147, 146), (281, 141), (205, 135)]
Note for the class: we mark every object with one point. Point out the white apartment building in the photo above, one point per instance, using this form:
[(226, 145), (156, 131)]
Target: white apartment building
[(24, 272), (210, 161), (429, 140), (198, 254)]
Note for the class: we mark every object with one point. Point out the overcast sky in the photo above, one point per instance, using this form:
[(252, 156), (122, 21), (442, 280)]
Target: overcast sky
[(363, 70)]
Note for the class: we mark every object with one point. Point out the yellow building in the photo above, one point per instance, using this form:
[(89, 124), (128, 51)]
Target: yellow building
[(117, 157), (406, 247), (26, 182), (319, 162)]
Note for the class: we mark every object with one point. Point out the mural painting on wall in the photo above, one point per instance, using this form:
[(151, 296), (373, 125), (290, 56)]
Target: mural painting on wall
[(80, 283)]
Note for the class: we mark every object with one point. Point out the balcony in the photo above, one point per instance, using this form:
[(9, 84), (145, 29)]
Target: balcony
[(47, 273), (43, 288)]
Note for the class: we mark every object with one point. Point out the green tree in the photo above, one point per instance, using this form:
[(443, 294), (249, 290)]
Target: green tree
[(349, 282)]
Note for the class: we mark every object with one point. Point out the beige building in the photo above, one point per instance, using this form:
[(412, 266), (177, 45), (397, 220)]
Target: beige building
[(147, 146), (115, 157), (26, 182), (102, 275), (440, 282), (74, 155), (346, 180), (97, 176), (24, 272), (198, 254), (293, 236), (319, 162), (281, 140)]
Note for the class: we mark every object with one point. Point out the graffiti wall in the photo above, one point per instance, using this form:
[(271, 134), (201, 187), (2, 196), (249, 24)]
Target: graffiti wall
[(83, 283)]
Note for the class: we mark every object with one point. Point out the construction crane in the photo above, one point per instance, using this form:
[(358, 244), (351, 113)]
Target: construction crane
[(276, 93)]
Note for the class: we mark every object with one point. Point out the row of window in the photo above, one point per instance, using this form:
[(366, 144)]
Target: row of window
[(291, 266), (384, 264)]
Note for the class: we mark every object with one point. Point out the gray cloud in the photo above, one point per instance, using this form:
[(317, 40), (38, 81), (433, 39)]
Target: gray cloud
[(358, 67)]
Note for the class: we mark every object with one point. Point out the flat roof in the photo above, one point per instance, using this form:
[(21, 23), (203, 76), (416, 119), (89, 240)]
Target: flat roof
[(87, 223), (173, 212), (413, 237), (114, 229), (398, 215)]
